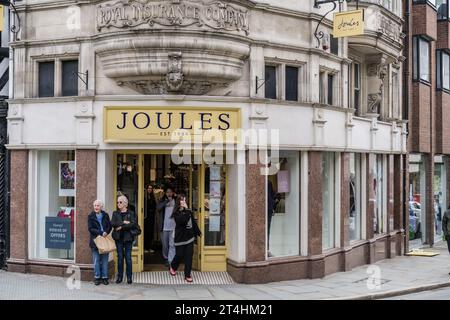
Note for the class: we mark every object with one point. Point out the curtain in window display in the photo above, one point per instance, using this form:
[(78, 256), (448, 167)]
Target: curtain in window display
[(355, 194)]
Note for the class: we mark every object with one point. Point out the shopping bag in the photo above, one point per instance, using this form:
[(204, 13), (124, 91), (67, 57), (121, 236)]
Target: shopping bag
[(105, 244)]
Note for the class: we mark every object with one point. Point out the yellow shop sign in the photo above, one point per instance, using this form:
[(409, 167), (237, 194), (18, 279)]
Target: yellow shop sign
[(162, 124), (350, 23)]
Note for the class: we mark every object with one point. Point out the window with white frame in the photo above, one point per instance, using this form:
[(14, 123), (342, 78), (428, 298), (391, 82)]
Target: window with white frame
[(283, 81), (270, 79), (328, 88), (421, 59), (57, 77), (443, 70)]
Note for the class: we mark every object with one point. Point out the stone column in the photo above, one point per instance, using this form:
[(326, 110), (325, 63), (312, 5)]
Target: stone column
[(86, 194), (19, 211), (315, 213), (256, 213)]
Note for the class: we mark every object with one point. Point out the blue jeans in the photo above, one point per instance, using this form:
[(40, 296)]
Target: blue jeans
[(100, 264), (128, 247)]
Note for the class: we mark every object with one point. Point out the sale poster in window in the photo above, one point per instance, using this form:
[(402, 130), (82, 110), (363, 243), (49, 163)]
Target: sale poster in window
[(67, 178)]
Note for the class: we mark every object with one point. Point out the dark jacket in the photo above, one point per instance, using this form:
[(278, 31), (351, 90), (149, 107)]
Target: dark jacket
[(446, 223), (117, 220), (161, 208), (94, 227), (185, 231), (151, 205)]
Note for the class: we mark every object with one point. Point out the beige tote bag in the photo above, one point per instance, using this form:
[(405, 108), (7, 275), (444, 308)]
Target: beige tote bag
[(105, 244)]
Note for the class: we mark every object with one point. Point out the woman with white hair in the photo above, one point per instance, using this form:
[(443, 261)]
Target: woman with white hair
[(99, 225), (123, 222)]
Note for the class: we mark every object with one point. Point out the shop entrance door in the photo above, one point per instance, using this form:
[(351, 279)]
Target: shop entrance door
[(205, 187)]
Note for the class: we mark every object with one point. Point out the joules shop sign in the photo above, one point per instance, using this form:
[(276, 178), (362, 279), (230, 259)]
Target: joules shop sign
[(180, 13), (160, 125)]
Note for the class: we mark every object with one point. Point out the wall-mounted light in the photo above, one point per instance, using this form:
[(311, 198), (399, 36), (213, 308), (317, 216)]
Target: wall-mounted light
[(7, 3)]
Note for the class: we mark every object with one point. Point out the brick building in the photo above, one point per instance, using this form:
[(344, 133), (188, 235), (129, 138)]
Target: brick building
[(428, 97)]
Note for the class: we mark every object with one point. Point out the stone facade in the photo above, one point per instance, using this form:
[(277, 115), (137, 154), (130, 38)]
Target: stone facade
[(199, 54)]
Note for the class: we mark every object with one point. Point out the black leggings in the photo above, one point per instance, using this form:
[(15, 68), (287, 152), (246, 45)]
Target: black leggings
[(184, 252)]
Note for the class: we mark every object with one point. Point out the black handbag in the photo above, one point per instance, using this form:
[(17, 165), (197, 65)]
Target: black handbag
[(136, 231)]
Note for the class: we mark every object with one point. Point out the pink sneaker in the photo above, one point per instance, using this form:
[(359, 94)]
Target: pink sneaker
[(172, 272)]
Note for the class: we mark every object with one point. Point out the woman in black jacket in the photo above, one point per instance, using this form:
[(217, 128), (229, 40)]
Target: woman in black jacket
[(186, 231), (99, 225), (123, 221)]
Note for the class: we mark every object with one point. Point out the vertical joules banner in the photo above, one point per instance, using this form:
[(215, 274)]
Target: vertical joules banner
[(350, 23), (149, 124)]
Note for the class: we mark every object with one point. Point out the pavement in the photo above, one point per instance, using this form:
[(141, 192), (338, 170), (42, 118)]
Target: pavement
[(400, 276)]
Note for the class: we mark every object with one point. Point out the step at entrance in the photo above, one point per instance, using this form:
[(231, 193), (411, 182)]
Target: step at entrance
[(164, 278)]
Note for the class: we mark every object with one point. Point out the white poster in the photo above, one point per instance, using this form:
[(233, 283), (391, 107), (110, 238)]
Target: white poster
[(67, 178), (214, 189), (214, 223), (214, 206), (214, 172)]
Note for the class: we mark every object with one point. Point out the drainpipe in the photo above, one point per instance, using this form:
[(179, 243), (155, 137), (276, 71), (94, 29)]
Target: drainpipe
[(406, 82)]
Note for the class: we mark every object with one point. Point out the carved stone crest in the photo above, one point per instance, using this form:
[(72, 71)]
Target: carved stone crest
[(175, 77)]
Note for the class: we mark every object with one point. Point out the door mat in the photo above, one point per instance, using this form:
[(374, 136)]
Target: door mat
[(422, 253), (164, 278)]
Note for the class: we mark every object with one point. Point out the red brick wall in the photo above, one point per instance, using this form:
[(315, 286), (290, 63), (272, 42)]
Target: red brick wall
[(442, 122), (424, 20), (443, 36)]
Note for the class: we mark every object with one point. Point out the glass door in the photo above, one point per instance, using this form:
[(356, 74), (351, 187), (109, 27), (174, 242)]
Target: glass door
[(213, 218), (129, 184)]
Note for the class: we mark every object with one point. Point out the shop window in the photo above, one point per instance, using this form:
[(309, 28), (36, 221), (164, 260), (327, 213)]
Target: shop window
[(46, 79), (417, 198), (70, 78), (439, 193), (291, 83), (283, 203), (355, 197), (421, 59), (328, 200), (443, 70), (54, 215), (271, 82), (378, 186)]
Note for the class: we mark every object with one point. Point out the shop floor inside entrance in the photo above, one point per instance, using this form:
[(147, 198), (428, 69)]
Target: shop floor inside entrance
[(164, 278), (155, 272)]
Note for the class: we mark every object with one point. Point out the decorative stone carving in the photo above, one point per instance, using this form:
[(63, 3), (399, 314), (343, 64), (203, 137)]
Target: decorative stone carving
[(390, 28), (159, 87), (216, 15), (373, 102), (174, 78)]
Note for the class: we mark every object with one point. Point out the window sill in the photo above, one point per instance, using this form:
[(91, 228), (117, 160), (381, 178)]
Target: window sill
[(443, 90), (425, 82)]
